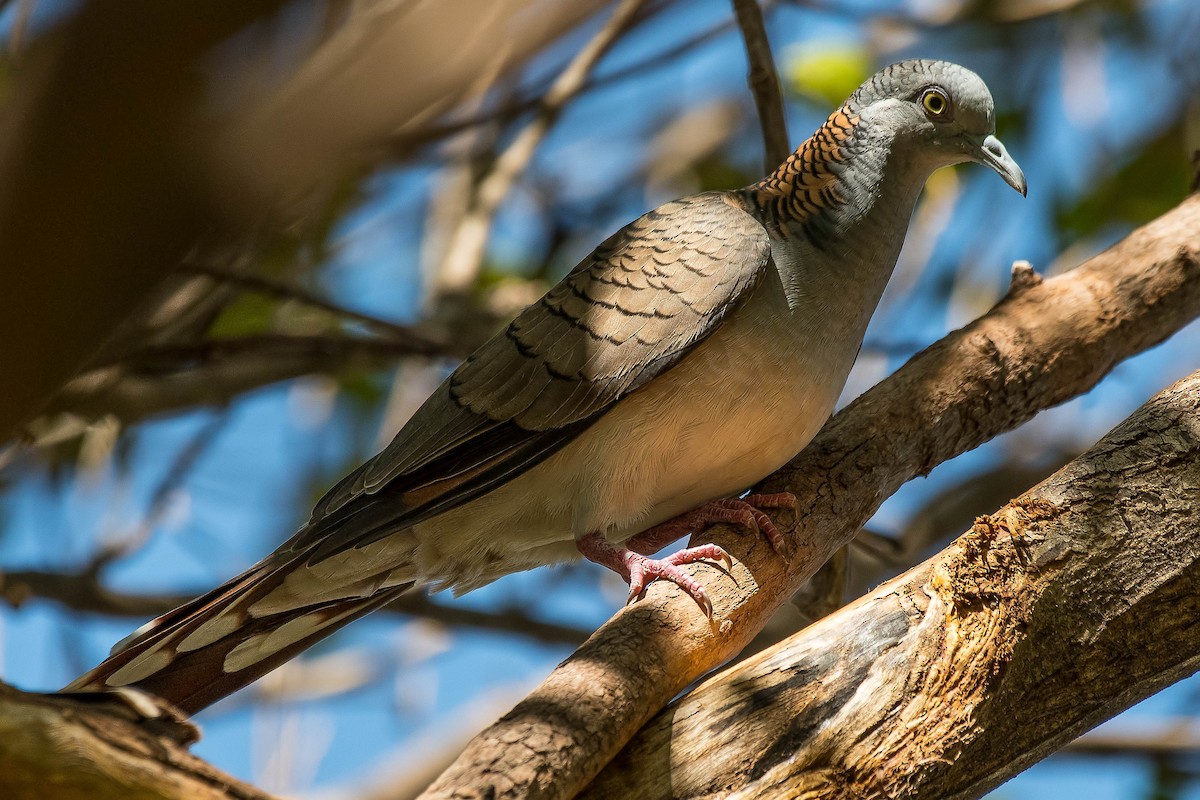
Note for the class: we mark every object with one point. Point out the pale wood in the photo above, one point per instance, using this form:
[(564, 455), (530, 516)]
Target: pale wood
[(1043, 344), (1063, 608), (60, 748)]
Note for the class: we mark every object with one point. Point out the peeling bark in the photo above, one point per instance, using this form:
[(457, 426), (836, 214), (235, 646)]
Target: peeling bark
[(1058, 611)]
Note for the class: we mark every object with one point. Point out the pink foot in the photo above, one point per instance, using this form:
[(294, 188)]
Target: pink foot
[(639, 570), (633, 564), (738, 511)]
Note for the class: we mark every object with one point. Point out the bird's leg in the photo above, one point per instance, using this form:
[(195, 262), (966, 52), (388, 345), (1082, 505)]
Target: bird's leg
[(745, 511), (640, 570), (632, 562)]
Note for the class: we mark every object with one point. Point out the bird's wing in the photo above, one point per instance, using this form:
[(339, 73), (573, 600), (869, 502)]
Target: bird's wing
[(627, 313)]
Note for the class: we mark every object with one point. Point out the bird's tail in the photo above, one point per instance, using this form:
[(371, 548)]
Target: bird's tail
[(225, 639)]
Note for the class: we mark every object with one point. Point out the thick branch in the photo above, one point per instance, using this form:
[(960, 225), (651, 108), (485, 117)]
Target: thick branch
[(1065, 607), (764, 83), (59, 747), (1043, 344)]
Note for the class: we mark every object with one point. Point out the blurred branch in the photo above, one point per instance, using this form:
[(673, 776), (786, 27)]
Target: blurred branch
[(404, 143), (1167, 738), (764, 83), (101, 749), (17, 28), (970, 667), (169, 357), (285, 291), (116, 549), (507, 620), (159, 379), (410, 767), (84, 591), (1045, 342), (469, 240), (346, 98)]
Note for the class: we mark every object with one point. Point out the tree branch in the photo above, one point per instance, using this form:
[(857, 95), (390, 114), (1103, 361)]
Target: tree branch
[(405, 142), (156, 379), (1043, 344), (100, 749), (465, 250), (1066, 606), (287, 291), (764, 83)]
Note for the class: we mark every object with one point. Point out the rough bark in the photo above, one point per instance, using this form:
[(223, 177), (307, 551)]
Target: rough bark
[(1066, 606), (1043, 344), (56, 747)]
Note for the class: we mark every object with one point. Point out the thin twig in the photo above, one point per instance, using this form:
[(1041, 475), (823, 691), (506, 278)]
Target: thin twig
[(183, 463), (178, 357), (405, 142), (287, 291), (763, 80), (465, 252), (166, 378)]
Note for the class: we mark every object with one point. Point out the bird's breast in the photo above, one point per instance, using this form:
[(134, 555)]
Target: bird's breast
[(735, 409)]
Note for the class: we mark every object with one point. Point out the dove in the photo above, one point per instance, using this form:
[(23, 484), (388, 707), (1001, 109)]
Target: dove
[(692, 353)]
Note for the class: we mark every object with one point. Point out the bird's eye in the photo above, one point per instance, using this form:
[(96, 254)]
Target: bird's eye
[(935, 103)]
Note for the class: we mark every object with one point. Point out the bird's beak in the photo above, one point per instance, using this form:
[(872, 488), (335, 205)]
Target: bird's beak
[(992, 153)]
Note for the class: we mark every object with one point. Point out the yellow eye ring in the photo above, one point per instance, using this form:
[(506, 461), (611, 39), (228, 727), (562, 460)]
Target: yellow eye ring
[(935, 103)]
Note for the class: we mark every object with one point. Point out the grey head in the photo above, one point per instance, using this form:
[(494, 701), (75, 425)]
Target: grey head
[(935, 112)]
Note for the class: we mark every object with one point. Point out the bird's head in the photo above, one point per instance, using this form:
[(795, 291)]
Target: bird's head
[(937, 112)]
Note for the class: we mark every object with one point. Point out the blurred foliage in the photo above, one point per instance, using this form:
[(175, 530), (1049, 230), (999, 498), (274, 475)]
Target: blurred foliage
[(1148, 182), (718, 172), (250, 313), (827, 72)]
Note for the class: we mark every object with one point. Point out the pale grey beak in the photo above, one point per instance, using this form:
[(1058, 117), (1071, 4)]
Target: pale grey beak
[(992, 153)]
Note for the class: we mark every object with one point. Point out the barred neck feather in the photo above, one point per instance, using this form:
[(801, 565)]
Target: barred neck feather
[(808, 186), (833, 181), (837, 211)]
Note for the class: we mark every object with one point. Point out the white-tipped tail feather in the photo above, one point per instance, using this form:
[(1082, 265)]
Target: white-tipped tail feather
[(229, 637)]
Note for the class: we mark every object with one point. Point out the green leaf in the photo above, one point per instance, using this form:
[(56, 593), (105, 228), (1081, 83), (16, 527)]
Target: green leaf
[(827, 72), (247, 315)]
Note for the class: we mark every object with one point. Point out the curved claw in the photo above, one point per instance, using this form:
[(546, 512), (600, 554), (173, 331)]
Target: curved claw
[(640, 570), (747, 511), (644, 570)]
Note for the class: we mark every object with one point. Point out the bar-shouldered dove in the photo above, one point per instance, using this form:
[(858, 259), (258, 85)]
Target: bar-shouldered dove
[(692, 353)]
